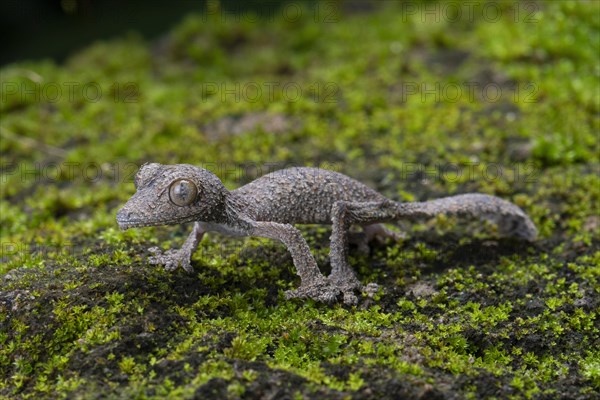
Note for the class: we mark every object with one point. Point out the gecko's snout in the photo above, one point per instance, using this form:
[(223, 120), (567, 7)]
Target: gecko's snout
[(123, 218)]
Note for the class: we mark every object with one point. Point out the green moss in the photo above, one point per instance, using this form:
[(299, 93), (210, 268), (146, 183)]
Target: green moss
[(460, 312)]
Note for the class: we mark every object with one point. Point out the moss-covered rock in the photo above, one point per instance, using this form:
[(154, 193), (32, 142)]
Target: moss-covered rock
[(417, 103)]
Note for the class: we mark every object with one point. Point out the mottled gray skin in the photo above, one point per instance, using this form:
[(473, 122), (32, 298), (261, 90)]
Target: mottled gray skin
[(269, 206)]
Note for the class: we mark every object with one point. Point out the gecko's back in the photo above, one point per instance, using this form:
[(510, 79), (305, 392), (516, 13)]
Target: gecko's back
[(301, 195)]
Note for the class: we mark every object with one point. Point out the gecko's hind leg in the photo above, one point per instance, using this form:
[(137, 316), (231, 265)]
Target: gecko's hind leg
[(312, 283), (343, 215), (373, 233), (380, 232)]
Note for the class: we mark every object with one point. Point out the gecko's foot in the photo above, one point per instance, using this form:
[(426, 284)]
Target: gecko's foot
[(370, 289), (349, 285), (321, 291), (171, 259)]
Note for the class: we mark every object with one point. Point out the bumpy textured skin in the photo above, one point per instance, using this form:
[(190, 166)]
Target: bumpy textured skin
[(269, 206)]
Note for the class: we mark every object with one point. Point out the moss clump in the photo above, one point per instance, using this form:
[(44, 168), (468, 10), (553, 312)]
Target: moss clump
[(371, 94)]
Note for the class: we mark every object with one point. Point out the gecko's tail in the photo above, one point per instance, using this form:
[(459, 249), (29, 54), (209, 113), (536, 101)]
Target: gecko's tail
[(510, 219)]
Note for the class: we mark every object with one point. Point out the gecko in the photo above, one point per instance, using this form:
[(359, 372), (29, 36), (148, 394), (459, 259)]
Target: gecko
[(271, 205)]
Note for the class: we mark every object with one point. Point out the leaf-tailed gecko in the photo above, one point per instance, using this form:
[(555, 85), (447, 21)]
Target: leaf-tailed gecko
[(270, 205)]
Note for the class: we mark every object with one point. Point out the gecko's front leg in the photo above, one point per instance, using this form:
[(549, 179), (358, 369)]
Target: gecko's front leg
[(174, 258), (313, 284)]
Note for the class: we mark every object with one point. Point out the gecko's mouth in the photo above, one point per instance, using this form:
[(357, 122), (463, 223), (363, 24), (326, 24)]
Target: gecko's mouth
[(127, 220), (128, 223)]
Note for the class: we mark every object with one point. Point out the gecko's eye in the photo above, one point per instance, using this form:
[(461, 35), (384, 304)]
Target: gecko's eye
[(182, 192)]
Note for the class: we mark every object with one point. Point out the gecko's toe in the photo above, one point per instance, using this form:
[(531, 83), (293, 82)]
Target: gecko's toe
[(323, 292), (157, 257), (350, 298), (170, 266), (349, 285), (323, 297), (187, 266), (370, 289), (349, 292), (155, 250), (170, 259), (156, 261)]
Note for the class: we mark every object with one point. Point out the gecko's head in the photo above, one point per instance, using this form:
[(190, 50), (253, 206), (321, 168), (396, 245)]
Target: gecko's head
[(173, 194)]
